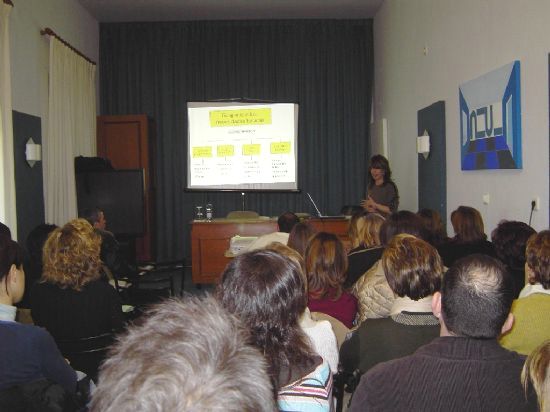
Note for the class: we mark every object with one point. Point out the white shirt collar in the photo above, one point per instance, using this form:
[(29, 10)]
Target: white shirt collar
[(532, 289), (7, 313)]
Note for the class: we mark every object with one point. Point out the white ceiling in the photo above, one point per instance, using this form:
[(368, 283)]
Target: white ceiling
[(178, 10)]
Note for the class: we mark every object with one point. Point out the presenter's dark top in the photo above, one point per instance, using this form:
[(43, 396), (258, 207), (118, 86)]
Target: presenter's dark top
[(385, 194), (70, 314)]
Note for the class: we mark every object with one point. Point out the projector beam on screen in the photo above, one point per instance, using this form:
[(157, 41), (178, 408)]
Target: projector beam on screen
[(242, 146)]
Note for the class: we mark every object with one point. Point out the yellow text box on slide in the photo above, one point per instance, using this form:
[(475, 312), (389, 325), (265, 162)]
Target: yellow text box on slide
[(226, 150), (202, 151), (280, 148), (252, 149), (240, 117)]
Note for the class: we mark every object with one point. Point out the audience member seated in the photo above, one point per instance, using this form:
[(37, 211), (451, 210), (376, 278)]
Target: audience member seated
[(29, 353), (509, 240), (326, 266), (536, 374), (285, 223), (299, 237), (71, 301), (33, 269), (364, 233), (465, 369), (267, 292), (374, 295), (4, 230), (319, 332), (434, 225), (184, 356), (469, 236), (531, 310), (110, 254), (413, 269)]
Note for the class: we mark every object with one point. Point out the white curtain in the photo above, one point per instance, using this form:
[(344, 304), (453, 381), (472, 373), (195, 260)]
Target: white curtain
[(71, 129), (8, 213)]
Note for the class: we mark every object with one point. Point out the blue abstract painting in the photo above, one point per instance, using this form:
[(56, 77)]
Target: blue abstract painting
[(490, 120)]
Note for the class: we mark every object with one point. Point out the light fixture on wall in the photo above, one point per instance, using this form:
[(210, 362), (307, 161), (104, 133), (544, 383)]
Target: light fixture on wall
[(33, 152), (423, 144)]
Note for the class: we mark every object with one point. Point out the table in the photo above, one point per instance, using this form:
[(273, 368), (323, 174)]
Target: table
[(210, 241)]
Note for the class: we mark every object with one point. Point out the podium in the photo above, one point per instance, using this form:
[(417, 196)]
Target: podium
[(210, 241)]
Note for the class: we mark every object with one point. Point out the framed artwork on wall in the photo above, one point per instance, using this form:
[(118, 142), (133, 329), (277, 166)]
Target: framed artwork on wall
[(490, 120)]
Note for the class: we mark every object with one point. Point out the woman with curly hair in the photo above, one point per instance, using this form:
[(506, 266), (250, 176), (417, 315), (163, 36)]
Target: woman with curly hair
[(266, 291), (326, 266), (71, 301)]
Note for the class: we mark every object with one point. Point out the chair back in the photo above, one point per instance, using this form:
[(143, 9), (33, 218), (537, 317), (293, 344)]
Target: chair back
[(86, 354), (340, 330)]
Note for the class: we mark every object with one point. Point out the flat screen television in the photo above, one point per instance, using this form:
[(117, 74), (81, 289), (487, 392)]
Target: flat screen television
[(119, 193)]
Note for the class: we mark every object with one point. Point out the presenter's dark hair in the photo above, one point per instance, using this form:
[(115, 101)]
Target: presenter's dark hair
[(380, 162), (287, 221), (268, 293), (403, 221), (477, 294)]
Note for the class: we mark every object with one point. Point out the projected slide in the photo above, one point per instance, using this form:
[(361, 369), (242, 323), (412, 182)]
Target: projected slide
[(242, 146)]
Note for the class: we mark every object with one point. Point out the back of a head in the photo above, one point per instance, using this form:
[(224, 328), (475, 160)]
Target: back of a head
[(91, 215), (36, 239), (185, 356), (326, 265), (299, 237), (537, 255), (71, 255), (468, 225), (477, 294), (412, 267), (4, 230), (536, 372), (509, 240), (263, 287), (10, 254), (287, 221), (356, 227), (403, 221), (434, 225)]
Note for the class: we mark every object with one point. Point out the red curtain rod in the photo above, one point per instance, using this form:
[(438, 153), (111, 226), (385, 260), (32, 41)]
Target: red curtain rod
[(50, 32)]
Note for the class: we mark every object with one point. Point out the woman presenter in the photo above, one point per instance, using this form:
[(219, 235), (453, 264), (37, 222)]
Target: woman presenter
[(382, 194)]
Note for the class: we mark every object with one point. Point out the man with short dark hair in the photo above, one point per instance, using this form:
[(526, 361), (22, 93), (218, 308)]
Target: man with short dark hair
[(465, 368), (285, 223), (110, 248)]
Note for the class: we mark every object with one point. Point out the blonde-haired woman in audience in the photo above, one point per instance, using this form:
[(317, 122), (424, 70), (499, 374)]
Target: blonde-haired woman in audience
[(319, 332), (531, 324), (536, 372), (71, 301), (326, 266), (364, 234), (470, 237)]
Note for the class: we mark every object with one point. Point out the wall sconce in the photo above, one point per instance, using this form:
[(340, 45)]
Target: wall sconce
[(423, 144), (33, 152)]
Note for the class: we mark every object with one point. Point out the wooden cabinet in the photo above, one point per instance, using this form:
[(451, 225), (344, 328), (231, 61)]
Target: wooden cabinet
[(127, 142), (210, 241)]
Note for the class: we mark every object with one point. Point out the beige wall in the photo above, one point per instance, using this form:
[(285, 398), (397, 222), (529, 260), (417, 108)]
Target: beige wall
[(464, 39), (30, 52)]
